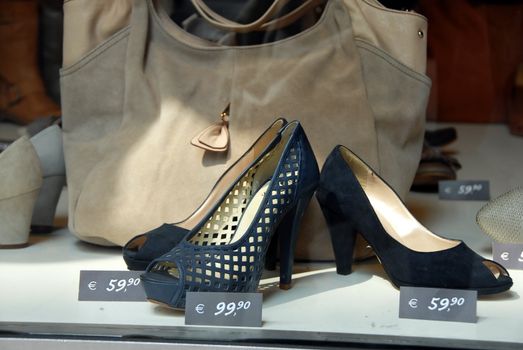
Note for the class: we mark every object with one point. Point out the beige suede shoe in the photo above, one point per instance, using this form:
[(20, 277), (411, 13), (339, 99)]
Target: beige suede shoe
[(502, 218), (20, 183)]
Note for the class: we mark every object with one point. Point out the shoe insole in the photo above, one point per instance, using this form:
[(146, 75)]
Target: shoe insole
[(399, 222), (230, 175), (404, 228), (250, 212)]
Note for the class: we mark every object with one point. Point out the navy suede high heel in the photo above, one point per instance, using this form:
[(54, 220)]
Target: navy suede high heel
[(144, 248), (354, 199), (226, 251)]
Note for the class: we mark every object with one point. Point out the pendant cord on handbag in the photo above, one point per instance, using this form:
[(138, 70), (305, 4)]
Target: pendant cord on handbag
[(215, 138), (265, 22)]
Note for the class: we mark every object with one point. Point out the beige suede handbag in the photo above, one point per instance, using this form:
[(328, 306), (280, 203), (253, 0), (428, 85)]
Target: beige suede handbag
[(139, 93)]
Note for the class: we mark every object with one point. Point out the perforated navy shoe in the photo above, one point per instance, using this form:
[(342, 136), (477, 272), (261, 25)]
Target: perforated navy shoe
[(226, 251)]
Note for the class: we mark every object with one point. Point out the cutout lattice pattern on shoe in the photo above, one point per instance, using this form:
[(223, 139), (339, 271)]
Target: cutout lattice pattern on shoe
[(219, 265), (221, 226)]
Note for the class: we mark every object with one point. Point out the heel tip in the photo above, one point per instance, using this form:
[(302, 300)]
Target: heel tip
[(285, 286), (41, 229), (344, 271)]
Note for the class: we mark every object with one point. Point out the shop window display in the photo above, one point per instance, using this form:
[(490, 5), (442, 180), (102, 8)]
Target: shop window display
[(304, 150)]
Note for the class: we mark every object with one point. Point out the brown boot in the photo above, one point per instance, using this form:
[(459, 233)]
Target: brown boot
[(515, 118), (23, 97)]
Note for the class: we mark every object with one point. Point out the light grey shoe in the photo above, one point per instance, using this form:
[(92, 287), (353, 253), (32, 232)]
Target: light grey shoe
[(20, 183), (48, 145), (502, 218)]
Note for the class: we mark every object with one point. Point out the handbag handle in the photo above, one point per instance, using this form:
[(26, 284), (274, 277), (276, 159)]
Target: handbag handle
[(263, 23)]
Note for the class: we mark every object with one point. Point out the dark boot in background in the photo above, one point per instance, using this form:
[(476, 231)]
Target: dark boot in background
[(50, 40), (436, 163), (19, 64), (515, 118)]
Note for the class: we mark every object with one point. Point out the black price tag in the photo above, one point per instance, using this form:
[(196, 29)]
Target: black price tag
[(224, 309), (455, 305), (111, 286), (465, 190), (508, 255)]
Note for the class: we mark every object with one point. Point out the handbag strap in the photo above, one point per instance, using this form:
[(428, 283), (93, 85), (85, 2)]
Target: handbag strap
[(263, 23)]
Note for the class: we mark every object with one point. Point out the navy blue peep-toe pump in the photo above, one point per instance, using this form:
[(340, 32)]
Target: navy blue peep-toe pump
[(355, 200), (226, 251)]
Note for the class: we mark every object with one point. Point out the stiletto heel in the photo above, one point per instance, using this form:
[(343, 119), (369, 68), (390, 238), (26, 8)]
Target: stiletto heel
[(410, 254), (288, 233), (343, 237), (272, 253), (226, 251)]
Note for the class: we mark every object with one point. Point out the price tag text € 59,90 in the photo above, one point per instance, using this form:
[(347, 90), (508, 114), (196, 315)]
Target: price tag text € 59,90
[(438, 304)]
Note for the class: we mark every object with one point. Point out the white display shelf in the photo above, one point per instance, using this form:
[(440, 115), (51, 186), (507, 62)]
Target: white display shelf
[(39, 284)]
